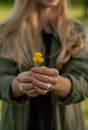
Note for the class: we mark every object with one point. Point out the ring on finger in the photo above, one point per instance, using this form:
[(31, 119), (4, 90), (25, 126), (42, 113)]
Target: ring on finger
[(21, 87), (49, 86)]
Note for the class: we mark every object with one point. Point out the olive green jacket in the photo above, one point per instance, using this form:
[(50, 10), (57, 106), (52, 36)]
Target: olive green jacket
[(67, 112)]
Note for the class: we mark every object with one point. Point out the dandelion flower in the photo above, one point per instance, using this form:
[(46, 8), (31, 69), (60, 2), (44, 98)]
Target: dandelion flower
[(38, 59)]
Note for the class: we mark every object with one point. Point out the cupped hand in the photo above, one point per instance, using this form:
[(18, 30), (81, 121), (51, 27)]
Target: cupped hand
[(42, 77), (28, 88)]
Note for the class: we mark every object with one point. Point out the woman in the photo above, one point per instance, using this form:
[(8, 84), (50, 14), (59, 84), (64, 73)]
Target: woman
[(45, 97)]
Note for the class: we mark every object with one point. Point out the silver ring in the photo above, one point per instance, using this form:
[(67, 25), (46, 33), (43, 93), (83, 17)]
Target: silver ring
[(21, 87), (49, 86)]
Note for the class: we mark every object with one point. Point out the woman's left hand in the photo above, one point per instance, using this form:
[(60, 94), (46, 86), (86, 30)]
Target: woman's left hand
[(44, 79)]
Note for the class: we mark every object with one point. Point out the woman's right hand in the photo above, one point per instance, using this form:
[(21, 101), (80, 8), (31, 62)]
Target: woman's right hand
[(24, 78)]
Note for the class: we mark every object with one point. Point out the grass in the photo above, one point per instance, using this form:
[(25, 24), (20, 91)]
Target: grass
[(0, 108), (78, 14), (85, 111), (4, 11)]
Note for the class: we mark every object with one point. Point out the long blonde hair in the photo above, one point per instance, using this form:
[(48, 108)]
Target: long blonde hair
[(20, 36)]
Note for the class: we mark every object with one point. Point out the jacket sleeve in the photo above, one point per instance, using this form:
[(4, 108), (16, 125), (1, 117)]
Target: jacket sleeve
[(8, 71), (77, 71)]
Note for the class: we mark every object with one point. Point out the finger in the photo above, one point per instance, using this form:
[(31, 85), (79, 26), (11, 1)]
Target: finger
[(45, 71), (41, 91), (28, 86), (33, 95), (43, 78), (24, 77), (31, 92), (39, 84)]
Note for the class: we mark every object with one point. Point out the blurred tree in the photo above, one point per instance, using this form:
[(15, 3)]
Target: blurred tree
[(6, 1), (86, 7), (76, 2)]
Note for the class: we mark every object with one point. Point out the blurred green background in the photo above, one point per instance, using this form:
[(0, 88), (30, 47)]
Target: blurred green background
[(78, 10)]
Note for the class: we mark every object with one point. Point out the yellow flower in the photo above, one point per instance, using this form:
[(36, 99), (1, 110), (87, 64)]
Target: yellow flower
[(38, 59)]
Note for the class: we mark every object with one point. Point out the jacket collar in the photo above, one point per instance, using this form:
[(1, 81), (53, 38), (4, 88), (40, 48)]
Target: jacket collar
[(50, 30)]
